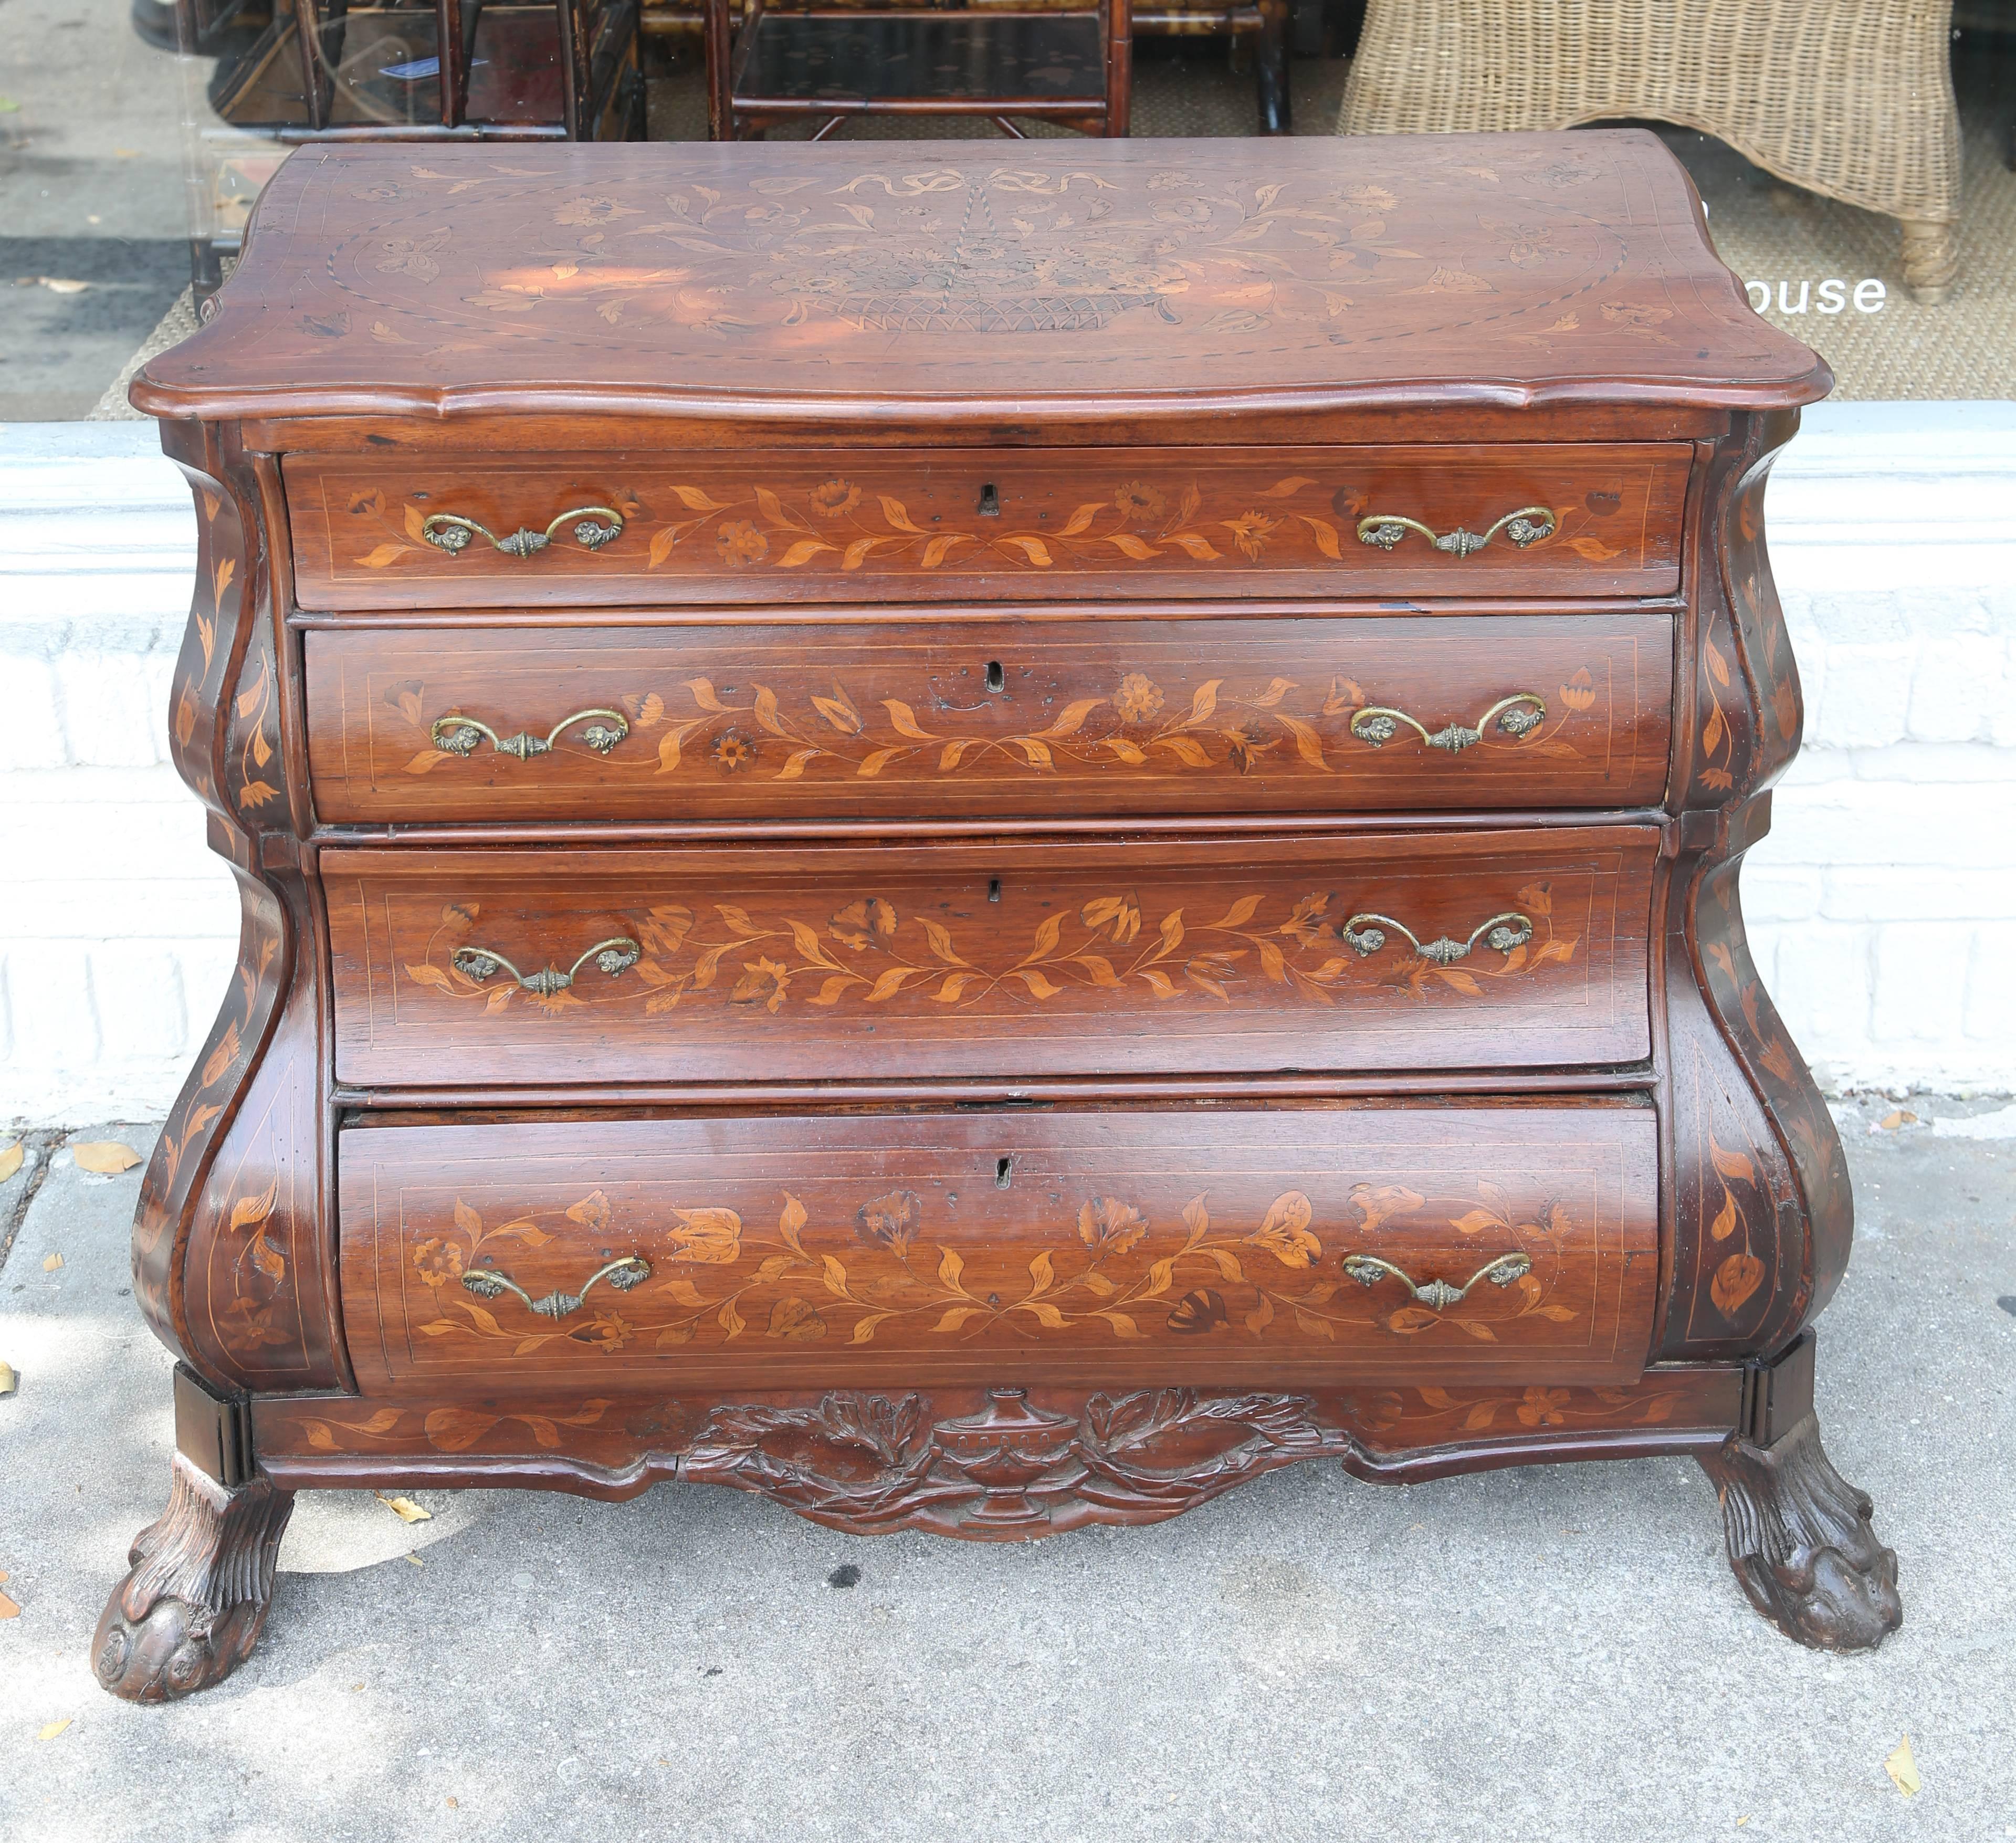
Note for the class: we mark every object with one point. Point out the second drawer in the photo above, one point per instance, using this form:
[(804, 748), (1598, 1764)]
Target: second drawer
[(948, 717), (1489, 950)]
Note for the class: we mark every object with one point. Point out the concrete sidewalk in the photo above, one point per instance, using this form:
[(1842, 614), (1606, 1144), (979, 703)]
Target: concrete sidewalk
[(1520, 1656)]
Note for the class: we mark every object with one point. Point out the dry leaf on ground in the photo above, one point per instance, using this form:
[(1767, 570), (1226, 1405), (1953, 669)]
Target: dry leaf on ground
[(417, 1561), (56, 284), (51, 1263), (405, 1509), (1904, 1770), (106, 1157), (1896, 1117), (51, 1730), (9, 1609), (9, 1380), (10, 1161)]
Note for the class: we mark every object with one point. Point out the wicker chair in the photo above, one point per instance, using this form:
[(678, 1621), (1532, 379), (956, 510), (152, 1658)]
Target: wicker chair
[(1852, 98)]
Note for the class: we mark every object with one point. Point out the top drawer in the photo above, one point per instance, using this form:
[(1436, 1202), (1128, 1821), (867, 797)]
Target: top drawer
[(929, 525)]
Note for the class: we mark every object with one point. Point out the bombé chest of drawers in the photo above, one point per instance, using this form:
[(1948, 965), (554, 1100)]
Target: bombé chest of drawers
[(985, 840)]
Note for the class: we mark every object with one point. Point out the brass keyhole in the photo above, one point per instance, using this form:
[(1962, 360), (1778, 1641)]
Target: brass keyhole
[(1002, 1167), (996, 679), (990, 503)]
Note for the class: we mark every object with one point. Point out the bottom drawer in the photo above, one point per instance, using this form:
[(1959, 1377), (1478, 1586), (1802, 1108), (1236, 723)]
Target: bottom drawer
[(1290, 1246)]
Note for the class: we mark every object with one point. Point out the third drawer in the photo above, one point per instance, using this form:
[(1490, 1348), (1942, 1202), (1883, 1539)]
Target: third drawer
[(941, 718), (1490, 950)]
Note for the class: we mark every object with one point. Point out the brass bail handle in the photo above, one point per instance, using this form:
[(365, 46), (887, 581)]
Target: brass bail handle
[(1365, 933), (1518, 715), (463, 735), (594, 526), (623, 1273), (1529, 525), (1369, 1270), (612, 956)]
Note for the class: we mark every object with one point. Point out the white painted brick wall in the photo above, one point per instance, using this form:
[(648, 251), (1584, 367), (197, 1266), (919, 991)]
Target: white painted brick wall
[(118, 928), (1882, 907)]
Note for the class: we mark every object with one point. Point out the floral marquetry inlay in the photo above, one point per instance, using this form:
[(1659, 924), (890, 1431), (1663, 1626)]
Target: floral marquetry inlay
[(712, 1276), (1135, 723), (737, 515), (800, 269), (761, 956)]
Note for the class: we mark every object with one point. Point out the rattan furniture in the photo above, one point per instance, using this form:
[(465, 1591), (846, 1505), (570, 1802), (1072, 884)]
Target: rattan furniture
[(1851, 98)]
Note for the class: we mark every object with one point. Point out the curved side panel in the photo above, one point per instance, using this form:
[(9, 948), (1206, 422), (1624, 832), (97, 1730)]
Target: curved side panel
[(226, 1264), (1765, 1212)]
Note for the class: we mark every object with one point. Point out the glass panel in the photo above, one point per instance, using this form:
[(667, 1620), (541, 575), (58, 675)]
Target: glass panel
[(380, 66), (514, 72)]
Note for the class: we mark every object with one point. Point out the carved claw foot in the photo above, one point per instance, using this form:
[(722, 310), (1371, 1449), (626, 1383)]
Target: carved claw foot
[(1801, 1543), (195, 1602)]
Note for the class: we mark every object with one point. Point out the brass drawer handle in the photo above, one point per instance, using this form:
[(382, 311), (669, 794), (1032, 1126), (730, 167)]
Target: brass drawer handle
[(1368, 1270), (445, 530), (461, 736), (1529, 525), (611, 956), (486, 1283), (1503, 932), (1520, 715)]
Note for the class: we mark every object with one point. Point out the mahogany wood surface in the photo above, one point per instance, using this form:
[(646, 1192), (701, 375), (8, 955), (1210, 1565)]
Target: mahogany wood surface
[(928, 525), (1075, 713), (1209, 422), (870, 1462), (1148, 1247), (981, 282), (1043, 979), (1029, 959)]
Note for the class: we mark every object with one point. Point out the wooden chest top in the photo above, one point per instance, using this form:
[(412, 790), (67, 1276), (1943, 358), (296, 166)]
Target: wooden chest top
[(979, 279)]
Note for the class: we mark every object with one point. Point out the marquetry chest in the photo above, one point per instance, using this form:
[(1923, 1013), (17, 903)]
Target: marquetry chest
[(984, 839)]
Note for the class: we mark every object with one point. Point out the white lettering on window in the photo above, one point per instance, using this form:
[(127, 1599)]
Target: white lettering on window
[(1870, 296)]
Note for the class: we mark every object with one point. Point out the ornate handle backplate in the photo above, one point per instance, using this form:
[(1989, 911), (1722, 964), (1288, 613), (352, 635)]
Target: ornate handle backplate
[(462, 735), (1529, 525), (1369, 1270), (486, 1283), (1366, 932), (447, 530), (1520, 715), (611, 956)]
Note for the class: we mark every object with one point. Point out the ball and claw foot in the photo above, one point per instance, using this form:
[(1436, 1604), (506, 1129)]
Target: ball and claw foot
[(1800, 1541), (195, 1600)]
